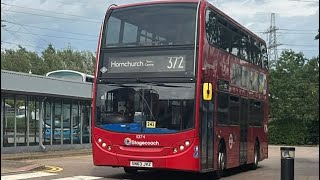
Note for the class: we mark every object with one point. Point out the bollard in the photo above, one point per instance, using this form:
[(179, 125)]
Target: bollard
[(287, 163)]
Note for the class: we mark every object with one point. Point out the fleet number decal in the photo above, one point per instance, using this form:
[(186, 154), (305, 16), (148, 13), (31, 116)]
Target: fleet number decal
[(151, 124)]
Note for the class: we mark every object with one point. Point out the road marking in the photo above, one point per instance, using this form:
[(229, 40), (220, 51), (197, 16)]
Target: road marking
[(53, 169), (26, 176), (79, 178)]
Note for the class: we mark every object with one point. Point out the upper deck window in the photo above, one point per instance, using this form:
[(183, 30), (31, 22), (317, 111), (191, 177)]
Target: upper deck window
[(151, 25), (225, 35)]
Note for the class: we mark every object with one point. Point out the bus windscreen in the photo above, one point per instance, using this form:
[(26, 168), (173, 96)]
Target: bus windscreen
[(151, 25), (154, 108)]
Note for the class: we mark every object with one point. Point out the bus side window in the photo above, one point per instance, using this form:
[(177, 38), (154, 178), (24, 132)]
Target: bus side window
[(234, 110), (223, 108)]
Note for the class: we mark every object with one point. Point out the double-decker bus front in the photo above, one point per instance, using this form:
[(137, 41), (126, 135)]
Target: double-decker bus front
[(144, 95)]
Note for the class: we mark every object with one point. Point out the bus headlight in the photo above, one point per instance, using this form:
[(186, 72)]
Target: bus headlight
[(104, 143), (182, 146)]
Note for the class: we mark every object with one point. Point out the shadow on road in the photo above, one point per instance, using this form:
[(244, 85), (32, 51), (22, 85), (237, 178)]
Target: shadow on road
[(167, 175)]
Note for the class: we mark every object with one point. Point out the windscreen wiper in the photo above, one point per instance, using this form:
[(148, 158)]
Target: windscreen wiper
[(158, 84), (112, 83)]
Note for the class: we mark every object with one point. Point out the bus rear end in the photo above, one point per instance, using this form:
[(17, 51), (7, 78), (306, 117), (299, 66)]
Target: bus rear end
[(145, 87)]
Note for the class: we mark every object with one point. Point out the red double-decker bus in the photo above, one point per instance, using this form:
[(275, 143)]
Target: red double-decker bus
[(178, 85)]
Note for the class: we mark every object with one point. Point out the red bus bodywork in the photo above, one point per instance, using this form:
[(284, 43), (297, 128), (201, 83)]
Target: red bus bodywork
[(212, 62)]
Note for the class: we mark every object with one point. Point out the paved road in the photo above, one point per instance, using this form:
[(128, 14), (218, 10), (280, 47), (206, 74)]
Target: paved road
[(81, 167)]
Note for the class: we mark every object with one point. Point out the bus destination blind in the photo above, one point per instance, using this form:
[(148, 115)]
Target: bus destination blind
[(147, 64)]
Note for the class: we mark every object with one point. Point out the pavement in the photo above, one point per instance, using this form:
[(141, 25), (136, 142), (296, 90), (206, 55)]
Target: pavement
[(14, 163)]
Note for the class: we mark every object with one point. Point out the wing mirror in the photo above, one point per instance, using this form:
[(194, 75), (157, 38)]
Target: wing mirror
[(207, 91)]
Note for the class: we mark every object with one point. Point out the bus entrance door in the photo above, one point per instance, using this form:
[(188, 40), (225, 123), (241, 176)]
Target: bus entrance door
[(206, 149), (243, 131)]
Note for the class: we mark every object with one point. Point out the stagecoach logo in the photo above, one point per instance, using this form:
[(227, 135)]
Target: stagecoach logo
[(231, 141), (129, 142)]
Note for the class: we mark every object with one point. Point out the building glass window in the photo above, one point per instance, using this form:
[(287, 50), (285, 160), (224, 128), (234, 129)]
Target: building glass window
[(21, 121), (8, 121), (21, 117), (33, 110), (56, 128), (86, 120), (47, 124), (66, 124), (76, 123)]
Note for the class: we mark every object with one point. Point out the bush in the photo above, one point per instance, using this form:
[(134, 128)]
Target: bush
[(288, 132)]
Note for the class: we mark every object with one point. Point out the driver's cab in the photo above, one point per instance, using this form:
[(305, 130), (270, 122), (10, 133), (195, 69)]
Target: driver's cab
[(126, 105)]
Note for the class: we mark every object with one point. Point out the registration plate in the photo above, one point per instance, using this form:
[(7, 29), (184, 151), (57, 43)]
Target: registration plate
[(141, 164)]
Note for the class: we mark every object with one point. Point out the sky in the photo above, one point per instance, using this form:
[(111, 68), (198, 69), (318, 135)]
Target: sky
[(76, 23)]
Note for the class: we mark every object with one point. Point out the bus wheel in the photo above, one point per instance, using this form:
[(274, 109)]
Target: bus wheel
[(221, 161), (130, 170), (256, 156)]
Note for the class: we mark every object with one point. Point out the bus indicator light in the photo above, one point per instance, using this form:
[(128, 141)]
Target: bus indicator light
[(196, 154)]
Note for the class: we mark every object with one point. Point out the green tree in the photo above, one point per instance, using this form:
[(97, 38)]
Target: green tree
[(19, 60), (294, 99), (89, 62), (51, 60), (82, 61), (311, 75)]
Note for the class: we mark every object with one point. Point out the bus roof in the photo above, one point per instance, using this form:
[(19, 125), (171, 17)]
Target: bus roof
[(191, 1), (153, 2)]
